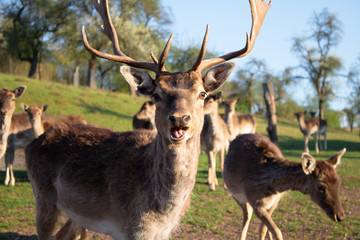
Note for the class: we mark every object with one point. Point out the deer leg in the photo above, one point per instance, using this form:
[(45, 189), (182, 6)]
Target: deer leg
[(316, 142), (46, 217), (209, 171), (306, 148), (263, 228), (71, 231), (325, 141), (266, 219), (9, 160), (212, 170), (247, 213), (222, 158)]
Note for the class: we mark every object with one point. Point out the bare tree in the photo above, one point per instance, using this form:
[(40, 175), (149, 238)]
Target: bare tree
[(317, 61)]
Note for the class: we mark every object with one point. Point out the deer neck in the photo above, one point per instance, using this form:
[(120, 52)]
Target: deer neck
[(174, 170), (290, 176), (4, 135), (213, 122), (302, 124), (38, 128)]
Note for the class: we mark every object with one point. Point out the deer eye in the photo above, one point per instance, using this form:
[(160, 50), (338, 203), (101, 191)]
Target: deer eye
[(203, 95), (156, 97)]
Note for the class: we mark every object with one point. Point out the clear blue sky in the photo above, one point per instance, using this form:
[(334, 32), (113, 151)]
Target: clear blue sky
[(229, 20)]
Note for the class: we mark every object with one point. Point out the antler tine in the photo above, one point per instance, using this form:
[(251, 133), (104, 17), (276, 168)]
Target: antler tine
[(259, 9), (108, 29), (164, 54), (202, 50)]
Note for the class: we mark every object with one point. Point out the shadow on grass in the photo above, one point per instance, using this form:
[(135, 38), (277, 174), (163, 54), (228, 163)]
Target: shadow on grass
[(15, 236), (20, 177), (288, 143), (101, 110)]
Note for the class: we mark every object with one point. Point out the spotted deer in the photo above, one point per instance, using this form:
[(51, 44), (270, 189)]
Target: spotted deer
[(237, 123), (214, 137), (257, 175), (314, 127), (145, 117), (39, 126), (136, 184), (7, 127)]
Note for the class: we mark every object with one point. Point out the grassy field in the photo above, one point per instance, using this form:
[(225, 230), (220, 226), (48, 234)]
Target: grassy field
[(212, 215)]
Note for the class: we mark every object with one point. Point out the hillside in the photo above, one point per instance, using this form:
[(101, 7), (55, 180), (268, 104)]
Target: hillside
[(212, 215)]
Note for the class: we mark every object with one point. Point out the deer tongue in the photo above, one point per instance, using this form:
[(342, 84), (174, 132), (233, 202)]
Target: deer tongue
[(177, 133)]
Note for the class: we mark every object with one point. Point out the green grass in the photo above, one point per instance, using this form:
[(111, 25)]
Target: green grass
[(212, 215)]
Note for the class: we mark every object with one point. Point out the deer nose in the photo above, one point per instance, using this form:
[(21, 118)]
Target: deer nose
[(339, 218), (179, 121)]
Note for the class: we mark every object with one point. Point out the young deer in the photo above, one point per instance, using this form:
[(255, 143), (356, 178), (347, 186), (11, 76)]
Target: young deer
[(314, 127), (237, 123), (136, 184), (38, 126), (145, 118), (20, 136), (257, 175), (214, 137), (7, 108)]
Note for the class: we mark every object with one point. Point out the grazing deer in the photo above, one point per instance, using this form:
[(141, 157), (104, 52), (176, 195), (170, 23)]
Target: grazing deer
[(314, 127), (257, 175), (136, 184), (214, 137), (237, 123), (145, 118), (39, 126), (7, 108)]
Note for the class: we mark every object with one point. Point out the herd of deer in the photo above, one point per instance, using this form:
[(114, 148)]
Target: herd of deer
[(137, 184)]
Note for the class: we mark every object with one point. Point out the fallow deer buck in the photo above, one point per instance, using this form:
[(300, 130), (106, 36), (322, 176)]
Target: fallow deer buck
[(7, 108), (237, 123), (214, 137), (136, 184), (145, 117), (314, 127), (38, 126), (257, 174)]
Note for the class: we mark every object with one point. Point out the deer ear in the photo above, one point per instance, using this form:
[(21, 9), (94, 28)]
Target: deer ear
[(218, 95), (19, 91), (308, 163), (335, 160), (139, 80), (45, 107), (215, 77), (24, 107)]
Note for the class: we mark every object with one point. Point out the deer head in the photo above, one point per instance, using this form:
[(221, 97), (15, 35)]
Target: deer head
[(212, 103), (34, 112), (325, 184), (179, 97)]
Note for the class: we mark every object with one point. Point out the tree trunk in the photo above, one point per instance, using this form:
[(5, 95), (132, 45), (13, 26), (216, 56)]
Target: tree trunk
[(91, 82), (10, 64), (321, 108), (270, 111), (76, 76), (33, 67)]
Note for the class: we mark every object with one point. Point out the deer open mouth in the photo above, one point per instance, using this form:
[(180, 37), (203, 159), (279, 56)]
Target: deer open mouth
[(177, 134)]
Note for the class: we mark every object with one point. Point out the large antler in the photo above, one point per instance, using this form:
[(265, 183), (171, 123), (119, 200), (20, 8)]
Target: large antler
[(259, 9), (108, 29)]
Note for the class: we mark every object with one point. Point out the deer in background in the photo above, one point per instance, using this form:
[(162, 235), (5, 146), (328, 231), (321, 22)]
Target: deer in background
[(214, 137), (314, 127), (145, 117), (38, 126), (136, 184), (7, 108), (257, 174), (237, 123)]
